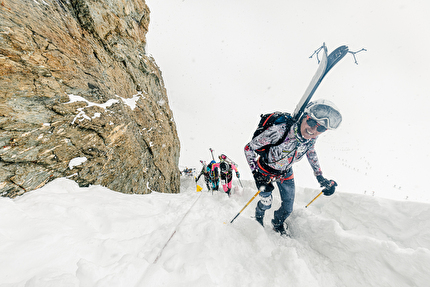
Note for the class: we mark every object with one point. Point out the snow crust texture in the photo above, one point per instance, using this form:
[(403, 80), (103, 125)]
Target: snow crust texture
[(64, 235)]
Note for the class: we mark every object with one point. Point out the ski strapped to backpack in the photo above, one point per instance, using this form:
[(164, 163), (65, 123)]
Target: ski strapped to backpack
[(326, 63)]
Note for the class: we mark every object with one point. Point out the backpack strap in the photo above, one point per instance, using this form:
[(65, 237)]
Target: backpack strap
[(269, 170)]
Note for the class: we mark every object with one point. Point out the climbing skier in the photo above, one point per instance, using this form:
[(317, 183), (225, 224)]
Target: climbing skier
[(226, 171), (276, 165), (213, 175), (206, 172)]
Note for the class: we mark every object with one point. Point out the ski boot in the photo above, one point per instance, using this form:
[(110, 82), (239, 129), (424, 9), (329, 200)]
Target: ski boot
[(280, 228), (259, 215)]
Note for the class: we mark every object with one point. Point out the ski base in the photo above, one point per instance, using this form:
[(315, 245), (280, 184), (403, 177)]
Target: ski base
[(326, 63)]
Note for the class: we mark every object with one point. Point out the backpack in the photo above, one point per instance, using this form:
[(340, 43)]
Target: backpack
[(213, 173), (224, 167), (268, 120)]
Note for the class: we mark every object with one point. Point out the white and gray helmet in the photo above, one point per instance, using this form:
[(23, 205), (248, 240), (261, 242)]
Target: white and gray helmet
[(325, 113)]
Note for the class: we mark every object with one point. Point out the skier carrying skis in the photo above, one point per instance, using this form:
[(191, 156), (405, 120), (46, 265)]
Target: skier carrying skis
[(226, 170), (205, 171), (276, 166), (213, 175)]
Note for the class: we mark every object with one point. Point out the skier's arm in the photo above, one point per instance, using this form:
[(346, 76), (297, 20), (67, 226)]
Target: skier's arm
[(313, 160), (269, 136), (328, 184), (201, 172), (235, 169)]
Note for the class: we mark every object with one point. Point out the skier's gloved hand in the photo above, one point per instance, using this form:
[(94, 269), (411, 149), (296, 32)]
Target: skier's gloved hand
[(324, 182), (237, 174), (262, 181), (329, 185), (330, 189), (259, 177)]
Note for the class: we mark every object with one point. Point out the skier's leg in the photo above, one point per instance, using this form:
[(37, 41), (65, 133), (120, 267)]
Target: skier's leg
[(224, 182), (287, 192), (229, 183), (208, 183), (264, 203)]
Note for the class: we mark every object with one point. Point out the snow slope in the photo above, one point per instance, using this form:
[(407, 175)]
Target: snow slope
[(63, 235)]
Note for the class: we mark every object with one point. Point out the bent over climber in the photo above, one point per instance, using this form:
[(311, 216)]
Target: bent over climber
[(276, 164), (226, 171), (213, 175), (206, 173)]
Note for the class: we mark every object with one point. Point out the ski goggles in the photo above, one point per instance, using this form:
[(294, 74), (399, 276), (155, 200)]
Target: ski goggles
[(329, 117), (311, 122)]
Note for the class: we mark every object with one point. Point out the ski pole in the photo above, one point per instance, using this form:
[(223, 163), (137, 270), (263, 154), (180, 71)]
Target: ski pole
[(325, 189), (255, 195), (314, 199), (240, 182), (212, 153)]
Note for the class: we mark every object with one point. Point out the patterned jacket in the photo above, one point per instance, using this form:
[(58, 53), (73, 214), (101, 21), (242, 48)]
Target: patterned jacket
[(281, 157)]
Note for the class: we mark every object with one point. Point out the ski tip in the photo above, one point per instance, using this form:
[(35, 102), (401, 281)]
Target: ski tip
[(344, 48)]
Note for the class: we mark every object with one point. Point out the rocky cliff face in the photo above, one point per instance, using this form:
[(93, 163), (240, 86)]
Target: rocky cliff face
[(79, 98)]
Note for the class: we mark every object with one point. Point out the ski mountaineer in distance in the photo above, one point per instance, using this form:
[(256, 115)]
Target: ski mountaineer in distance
[(318, 117), (206, 173), (226, 171), (213, 175)]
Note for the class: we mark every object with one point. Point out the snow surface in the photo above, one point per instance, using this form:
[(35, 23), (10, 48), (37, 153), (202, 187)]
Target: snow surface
[(82, 115), (77, 161), (63, 235), (133, 100)]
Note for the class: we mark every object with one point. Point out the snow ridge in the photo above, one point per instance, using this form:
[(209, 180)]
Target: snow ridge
[(63, 235)]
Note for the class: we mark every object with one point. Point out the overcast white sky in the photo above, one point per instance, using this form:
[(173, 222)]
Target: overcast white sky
[(225, 62)]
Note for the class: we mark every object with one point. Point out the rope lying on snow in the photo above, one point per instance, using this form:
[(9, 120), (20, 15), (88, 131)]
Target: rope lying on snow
[(176, 228)]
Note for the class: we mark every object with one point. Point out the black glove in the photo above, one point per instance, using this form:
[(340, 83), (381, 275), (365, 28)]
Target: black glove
[(324, 182), (259, 177), (237, 174), (262, 181), (329, 185)]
